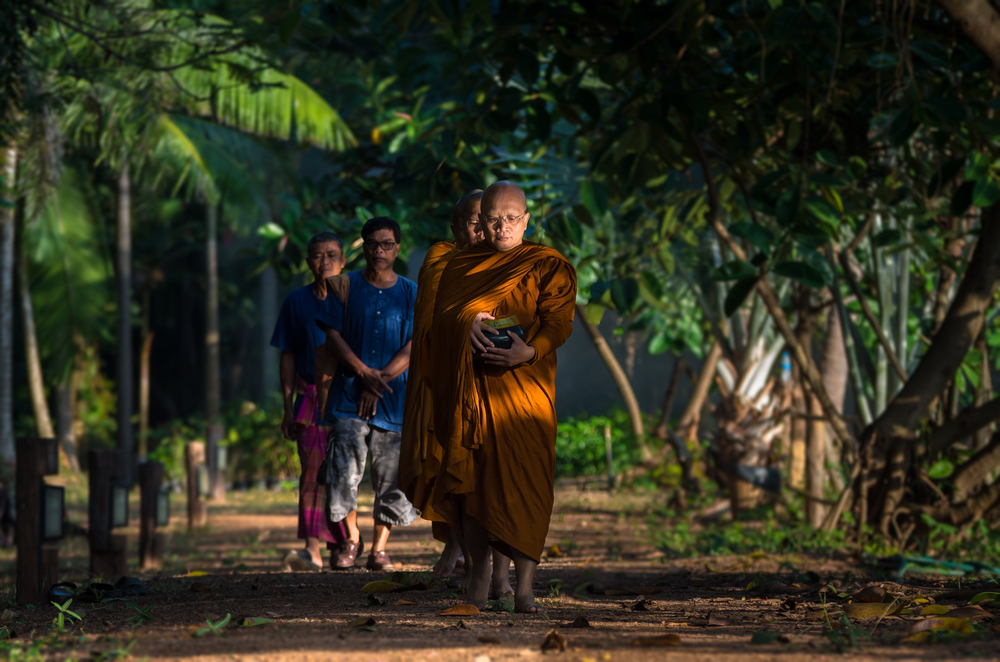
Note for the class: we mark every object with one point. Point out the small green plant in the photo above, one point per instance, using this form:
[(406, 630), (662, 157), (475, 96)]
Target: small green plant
[(555, 587), (119, 652), (142, 615), (214, 628), (59, 622)]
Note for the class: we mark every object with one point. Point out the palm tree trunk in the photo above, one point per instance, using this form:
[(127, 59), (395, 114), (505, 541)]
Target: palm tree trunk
[(36, 381), (147, 348), (213, 373), (620, 379), (124, 265), (64, 422), (7, 457)]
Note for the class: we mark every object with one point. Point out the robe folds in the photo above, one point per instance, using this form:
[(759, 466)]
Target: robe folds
[(419, 453), (496, 427)]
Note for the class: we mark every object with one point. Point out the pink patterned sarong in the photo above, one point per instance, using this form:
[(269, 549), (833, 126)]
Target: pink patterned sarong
[(313, 520)]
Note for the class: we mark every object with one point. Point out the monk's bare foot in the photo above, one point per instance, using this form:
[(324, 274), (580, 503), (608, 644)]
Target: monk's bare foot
[(450, 557), (479, 586), (525, 604), (501, 586)]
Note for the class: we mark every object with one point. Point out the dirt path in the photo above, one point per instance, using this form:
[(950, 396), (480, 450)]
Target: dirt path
[(606, 564)]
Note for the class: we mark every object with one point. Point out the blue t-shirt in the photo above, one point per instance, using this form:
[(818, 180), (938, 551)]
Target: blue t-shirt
[(378, 322), (296, 330)]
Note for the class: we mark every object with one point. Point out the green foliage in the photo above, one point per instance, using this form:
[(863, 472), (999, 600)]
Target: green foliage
[(580, 445), (253, 437)]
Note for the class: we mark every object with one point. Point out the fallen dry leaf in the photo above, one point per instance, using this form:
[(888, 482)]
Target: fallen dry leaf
[(956, 624), (580, 622), (460, 610), (669, 639), (489, 640), (718, 621), (972, 612), (362, 622), (271, 614), (554, 642), (641, 605), (554, 552), (870, 594), (865, 610), (405, 603), (934, 610), (380, 586), (7, 615)]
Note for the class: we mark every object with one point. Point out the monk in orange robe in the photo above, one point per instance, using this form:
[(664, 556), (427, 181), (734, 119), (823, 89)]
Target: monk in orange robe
[(420, 454), (494, 412)]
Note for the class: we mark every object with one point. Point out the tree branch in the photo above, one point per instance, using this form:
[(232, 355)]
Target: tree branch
[(976, 469), (964, 425), (981, 25), (770, 300)]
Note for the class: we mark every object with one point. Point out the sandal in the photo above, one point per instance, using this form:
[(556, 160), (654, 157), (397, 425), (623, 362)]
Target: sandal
[(300, 560)]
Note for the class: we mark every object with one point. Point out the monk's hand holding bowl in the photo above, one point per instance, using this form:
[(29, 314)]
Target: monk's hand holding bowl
[(375, 381), (519, 353), (367, 402), (477, 334)]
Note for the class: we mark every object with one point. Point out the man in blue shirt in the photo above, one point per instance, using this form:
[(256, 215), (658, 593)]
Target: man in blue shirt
[(370, 338), (297, 336)]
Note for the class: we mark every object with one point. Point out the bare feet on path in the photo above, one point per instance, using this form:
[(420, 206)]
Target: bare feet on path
[(451, 561), (478, 591), (525, 604)]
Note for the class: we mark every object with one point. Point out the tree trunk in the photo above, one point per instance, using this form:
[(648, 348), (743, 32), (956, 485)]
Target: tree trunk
[(799, 436), (36, 381), (946, 276), (124, 367), (620, 379), (213, 369), (147, 349), (893, 432), (815, 462), (64, 422), (687, 427), (835, 371), (663, 425), (980, 21), (7, 455)]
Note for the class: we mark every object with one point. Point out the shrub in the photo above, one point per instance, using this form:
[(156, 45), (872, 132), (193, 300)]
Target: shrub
[(580, 447)]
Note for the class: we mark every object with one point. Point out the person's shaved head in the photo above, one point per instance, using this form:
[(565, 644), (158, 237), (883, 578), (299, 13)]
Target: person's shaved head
[(504, 215), (465, 224)]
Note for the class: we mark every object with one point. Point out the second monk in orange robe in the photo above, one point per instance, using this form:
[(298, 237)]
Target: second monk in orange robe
[(494, 415)]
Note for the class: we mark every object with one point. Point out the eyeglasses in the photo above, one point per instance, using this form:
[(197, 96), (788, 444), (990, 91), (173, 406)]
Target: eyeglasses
[(510, 220), (384, 245)]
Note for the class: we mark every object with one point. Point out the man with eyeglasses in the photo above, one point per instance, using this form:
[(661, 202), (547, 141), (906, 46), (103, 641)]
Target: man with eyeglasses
[(370, 337), (493, 407)]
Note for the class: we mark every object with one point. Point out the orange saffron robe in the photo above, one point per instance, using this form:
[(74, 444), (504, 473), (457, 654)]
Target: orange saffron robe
[(497, 426), (420, 453)]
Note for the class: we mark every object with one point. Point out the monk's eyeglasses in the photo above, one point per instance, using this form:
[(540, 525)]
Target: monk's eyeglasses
[(384, 245), (510, 220)]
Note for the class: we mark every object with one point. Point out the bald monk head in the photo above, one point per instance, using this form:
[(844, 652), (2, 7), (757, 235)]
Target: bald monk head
[(504, 215), (465, 219)]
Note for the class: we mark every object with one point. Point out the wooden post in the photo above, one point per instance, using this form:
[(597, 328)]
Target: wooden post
[(197, 512), (217, 478), (150, 542), (36, 565), (107, 551)]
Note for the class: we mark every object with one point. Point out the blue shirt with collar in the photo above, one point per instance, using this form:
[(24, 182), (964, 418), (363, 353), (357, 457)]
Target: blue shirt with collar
[(376, 324), (296, 331)]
